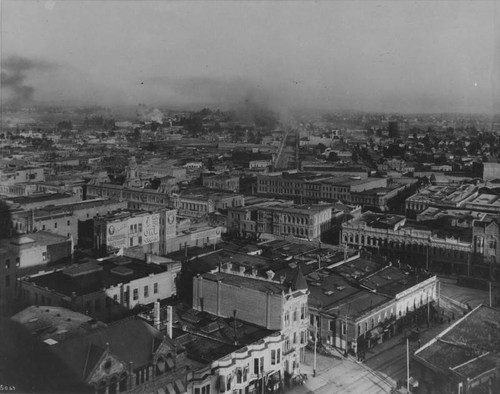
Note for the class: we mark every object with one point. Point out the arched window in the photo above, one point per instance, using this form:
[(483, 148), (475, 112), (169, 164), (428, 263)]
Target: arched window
[(113, 385), (122, 387)]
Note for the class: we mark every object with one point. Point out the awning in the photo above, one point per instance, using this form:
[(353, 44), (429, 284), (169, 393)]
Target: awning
[(376, 332)]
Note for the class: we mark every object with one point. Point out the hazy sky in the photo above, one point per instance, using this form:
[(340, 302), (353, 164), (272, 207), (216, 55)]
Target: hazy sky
[(391, 56)]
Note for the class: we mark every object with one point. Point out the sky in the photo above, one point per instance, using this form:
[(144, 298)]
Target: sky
[(395, 56)]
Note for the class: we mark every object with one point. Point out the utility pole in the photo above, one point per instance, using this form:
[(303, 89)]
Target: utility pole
[(490, 291), (407, 365), (315, 344)]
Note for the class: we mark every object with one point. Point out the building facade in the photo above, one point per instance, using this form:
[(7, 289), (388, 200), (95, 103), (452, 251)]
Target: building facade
[(259, 300)]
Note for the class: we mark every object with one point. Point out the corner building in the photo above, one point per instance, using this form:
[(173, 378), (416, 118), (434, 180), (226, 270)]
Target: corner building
[(264, 301)]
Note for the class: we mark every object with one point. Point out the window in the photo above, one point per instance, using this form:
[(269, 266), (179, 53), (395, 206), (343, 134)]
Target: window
[(68, 222), (44, 256), (140, 227), (115, 298), (18, 261), (155, 288), (278, 356), (131, 228), (146, 291), (273, 357), (55, 224), (7, 264), (131, 241), (136, 294), (140, 240), (303, 311), (256, 366)]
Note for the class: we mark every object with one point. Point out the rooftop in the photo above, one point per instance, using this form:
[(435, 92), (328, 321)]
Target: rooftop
[(92, 275), (470, 346)]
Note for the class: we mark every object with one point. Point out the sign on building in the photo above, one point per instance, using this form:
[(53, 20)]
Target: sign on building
[(116, 235), (151, 229)]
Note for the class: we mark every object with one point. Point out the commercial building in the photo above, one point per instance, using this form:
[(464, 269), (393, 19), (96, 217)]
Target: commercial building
[(441, 196), (105, 289), (64, 219), (311, 188), (282, 219), (464, 358), (157, 231), (355, 318), (398, 238), (259, 299)]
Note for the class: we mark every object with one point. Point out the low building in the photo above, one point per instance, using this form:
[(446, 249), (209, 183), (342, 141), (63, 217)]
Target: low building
[(104, 289), (39, 200), (354, 312), (462, 359), (127, 356)]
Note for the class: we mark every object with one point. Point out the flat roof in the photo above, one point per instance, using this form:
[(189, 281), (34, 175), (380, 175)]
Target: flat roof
[(92, 275)]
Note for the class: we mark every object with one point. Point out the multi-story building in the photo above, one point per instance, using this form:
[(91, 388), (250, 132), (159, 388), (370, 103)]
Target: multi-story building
[(282, 219), (156, 231), (441, 196), (272, 304), (201, 203), (447, 249), (24, 254), (486, 247), (105, 289), (310, 188), (63, 219), (222, 182)]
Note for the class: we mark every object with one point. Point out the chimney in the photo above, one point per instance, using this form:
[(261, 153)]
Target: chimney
[(170, 318), (156, 315)]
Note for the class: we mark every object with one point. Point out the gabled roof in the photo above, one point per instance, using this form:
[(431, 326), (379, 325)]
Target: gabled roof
[(128, 340)]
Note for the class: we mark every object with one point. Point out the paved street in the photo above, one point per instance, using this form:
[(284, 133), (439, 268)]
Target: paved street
[(384, 366)]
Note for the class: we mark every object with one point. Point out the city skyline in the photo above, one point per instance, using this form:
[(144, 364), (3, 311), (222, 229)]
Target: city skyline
[(368, 56)]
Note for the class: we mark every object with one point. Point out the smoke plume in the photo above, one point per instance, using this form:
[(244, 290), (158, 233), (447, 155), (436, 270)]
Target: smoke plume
[(15, 71)]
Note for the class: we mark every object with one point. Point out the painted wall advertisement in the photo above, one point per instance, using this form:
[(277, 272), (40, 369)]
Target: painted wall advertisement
[(116, 235), (151, 229)]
